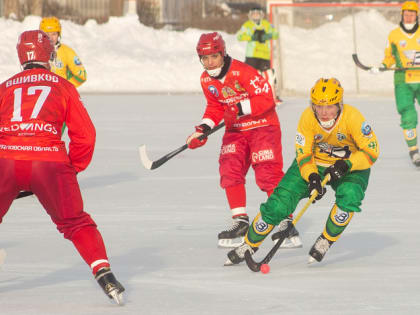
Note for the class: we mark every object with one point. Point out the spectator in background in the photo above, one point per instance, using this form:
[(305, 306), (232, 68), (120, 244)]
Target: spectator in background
[(258, 32)]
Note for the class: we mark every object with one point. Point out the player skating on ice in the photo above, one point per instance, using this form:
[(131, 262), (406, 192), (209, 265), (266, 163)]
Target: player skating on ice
[(66, 62), (258, 33), (403, 51), (34, 105), (332, 138), (236, 92)]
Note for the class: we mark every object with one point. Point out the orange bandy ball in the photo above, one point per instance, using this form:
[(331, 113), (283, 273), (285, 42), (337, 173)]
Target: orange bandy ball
[(265, 268)]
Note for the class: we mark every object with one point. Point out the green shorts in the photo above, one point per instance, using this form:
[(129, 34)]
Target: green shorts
[(349, 193)]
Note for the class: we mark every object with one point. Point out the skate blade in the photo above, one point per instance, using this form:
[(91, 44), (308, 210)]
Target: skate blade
[(116, 297), (228, 263), (293, 242), (230, 243), (311, 260)]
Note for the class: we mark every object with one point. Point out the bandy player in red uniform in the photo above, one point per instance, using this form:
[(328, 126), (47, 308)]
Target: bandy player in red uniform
[(34, 105), (236, 93)]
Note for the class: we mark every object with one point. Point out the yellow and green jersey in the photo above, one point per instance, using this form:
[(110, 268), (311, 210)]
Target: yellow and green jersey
[(255, 49), (351, 138), (403, 51), (68, 65)]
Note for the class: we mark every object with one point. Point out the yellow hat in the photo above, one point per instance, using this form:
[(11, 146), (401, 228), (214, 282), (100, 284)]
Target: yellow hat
[(327, 92), (50, 24)]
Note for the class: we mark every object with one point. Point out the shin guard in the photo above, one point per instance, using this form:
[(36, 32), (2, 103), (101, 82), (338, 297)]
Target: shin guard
[(258, 231), (410, 136), (336, 223)]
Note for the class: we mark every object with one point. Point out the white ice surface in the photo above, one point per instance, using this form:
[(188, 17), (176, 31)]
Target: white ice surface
[(160, 227)]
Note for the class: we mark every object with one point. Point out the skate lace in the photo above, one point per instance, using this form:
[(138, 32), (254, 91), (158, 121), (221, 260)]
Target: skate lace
[(283, 224), (233, 227), (240, 251), (322, 245)]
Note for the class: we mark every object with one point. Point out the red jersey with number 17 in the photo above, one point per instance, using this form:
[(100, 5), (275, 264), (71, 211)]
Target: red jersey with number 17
[(34, 105), (241, 84)]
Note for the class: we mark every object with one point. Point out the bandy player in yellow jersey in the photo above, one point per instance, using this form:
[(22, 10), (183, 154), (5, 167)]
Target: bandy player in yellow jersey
[(332, 138), (66, 63), (403, 51)]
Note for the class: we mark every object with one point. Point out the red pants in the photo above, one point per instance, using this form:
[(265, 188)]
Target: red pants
[(54, 183), (259, 147)]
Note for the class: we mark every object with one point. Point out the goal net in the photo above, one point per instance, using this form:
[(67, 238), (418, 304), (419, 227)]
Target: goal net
[(318, 39)]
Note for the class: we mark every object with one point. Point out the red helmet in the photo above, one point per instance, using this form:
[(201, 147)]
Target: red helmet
[(34, 46), (211, 43)]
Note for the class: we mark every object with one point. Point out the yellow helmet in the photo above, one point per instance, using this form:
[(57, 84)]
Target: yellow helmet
[(410, 6), (327, 92), (50, 24)]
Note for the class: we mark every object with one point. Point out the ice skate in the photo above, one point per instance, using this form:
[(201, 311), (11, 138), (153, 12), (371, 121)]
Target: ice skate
[(237, 255), (293, 239), (319, 249), (112, 288), (234, 236), (415, 157)]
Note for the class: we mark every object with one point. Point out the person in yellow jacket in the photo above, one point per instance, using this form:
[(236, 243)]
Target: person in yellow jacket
[(403, 51), (332, 139), (66, 63), (258, 32)]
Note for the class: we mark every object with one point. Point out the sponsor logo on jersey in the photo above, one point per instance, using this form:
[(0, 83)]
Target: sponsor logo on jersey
[(234, 99), (58, 63), (11, 147), (29, 128), (77, 61), (403, 43), (236, 73), (228, 148), (366, 129), (300, 139), (318, 137), (251, 124), (238, 87), (213, 90), (334, 151), (205, 79), (341, 136), (228, 91), (263, 155)]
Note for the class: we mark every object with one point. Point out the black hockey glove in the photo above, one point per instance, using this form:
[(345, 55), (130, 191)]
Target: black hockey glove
[(258, 36), (337, 170), (315, 184)]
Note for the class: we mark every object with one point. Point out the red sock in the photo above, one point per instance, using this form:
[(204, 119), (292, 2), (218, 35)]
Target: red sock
[(236, 196), (88, 242)]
